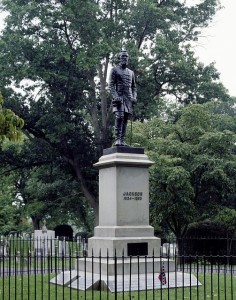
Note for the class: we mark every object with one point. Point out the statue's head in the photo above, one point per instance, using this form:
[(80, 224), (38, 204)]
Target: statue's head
[(123, 58)]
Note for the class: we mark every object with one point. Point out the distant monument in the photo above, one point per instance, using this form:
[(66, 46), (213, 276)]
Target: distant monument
[(123, 91), (64, 232), (44, 241)]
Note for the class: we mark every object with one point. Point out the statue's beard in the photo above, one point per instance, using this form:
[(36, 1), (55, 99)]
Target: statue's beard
[(124, 63)]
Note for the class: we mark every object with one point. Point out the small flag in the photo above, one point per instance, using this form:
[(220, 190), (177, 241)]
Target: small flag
[(162, 276)]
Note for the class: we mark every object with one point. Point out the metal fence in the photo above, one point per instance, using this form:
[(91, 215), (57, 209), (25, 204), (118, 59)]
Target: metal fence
[(223, 246), (51, 269)]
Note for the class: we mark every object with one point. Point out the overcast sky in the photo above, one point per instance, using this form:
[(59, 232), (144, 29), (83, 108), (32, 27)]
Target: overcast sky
[(218, 43)]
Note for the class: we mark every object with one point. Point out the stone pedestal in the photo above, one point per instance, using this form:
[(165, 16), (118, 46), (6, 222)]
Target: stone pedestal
[(123, 246), (123, 206), (123, 231)]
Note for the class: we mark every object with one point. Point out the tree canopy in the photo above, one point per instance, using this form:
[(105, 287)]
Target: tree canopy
[(194, 172), (10, 124), (55, 57)]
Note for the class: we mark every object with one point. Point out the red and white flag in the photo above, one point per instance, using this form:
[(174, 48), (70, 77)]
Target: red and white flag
[(162, 276)]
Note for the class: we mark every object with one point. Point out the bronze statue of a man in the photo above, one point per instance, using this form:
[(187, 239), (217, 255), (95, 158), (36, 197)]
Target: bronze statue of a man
[(123, 91)]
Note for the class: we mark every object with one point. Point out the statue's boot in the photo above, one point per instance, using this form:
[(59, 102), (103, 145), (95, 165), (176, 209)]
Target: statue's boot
[(122, 136), (118, 125)]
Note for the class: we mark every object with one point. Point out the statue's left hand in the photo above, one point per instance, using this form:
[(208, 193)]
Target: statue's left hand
[(117, 101)]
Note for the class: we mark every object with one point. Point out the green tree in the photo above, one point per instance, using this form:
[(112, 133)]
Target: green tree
[(52, 194), (12, 215), (45, 183), (59, 52), (195, 165), (10, 124), (227, 216)]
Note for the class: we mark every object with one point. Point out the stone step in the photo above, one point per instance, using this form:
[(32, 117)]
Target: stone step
[(132, 282), (126, 266)]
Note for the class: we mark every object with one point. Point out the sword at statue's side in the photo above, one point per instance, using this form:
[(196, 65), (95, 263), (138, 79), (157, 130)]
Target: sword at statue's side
[(131, 131), (131, 128)]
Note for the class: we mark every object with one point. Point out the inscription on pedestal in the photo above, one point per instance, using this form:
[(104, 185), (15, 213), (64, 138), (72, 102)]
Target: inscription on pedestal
[(137, 196), (137, 249)]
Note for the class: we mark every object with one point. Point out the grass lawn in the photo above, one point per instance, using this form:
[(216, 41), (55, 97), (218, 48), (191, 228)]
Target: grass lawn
[(37, 287)]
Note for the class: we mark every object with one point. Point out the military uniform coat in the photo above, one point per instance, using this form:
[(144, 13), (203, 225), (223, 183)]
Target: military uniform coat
[(122, 84)]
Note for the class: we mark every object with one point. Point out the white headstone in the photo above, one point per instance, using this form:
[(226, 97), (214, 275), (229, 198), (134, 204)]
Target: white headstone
[(63, 248), (44, 242)]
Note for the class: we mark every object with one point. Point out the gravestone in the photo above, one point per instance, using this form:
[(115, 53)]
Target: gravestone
[(64, 232), (3, 248), (63, 248), (44, 242)]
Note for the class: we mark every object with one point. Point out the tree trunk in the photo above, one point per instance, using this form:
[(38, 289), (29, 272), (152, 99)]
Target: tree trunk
[(92, 200), (36, 222)]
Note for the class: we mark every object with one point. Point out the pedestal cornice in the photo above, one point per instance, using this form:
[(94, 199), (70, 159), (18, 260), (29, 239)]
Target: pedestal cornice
[(119, 156)]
